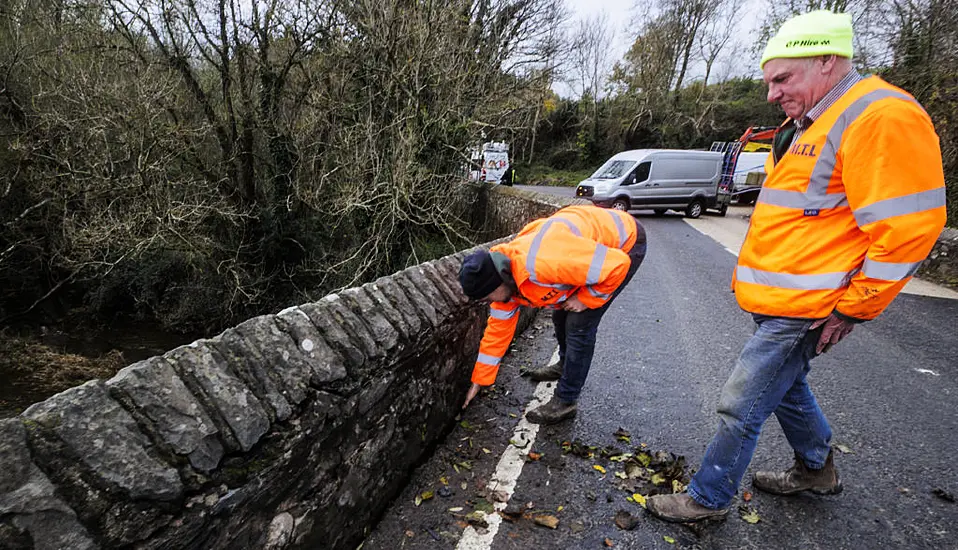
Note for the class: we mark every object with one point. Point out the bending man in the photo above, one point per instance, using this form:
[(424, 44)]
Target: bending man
[(574, 262)]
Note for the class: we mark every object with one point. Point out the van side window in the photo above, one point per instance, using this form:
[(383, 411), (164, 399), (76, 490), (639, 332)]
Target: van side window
[(642, 171)]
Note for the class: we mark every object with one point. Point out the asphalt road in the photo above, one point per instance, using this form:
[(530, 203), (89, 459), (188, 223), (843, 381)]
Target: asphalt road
[(664, 350)]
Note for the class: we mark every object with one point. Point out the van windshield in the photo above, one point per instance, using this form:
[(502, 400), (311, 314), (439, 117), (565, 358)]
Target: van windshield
[(613, 169)]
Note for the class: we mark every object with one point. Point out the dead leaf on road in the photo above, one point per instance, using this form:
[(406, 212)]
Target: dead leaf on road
[(534, 455), (477, 519), (747, 496), (625, 520), (844, 449), (748, 514), (546, 520), (668, 539), (609, 543), (599, 468)]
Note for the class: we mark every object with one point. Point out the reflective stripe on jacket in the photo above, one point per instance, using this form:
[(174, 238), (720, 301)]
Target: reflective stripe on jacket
[(848, 213), (579, 251)]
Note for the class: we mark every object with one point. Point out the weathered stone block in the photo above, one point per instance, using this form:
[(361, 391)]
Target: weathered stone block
[(394, 304), (416, 297), (434, 295), (334, 332), (244, 359), (106, 438), (326, 366), (384, 333), (238, 408), (153, 387), (28, 501), (448, 268), (285, 357), (444, 283)]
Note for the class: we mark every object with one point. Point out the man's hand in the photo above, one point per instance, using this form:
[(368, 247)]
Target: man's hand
[(473, 391), (574, 305), (835, 328)]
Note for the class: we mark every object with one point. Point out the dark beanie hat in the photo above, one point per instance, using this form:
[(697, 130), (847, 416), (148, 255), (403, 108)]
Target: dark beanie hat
[(478, 275)]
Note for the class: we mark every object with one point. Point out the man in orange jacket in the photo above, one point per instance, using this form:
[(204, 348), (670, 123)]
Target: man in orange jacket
[(853, 202), (574, 262)]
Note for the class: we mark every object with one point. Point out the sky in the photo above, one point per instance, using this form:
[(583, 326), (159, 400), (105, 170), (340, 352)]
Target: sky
[(620, 14)]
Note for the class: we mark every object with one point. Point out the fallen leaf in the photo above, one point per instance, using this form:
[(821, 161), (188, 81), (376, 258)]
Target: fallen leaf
[(621, 458), (644, 458), (658, 479), (466, 464), (844, 448), (418, 500), (599, 468), (546, 520), (456, 509), (426, 495), (625, 520), (444, 481), (677, 486), (639, 499), (748, 514), (464, 485), (668, 539), (485, 450), (534, 455), (747, 496), (477, 519), (560, 508), (410, 534), (621, 475), (513, 415), (483, 505), (609, 543)]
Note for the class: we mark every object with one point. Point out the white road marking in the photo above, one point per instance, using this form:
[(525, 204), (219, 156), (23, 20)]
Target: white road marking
[(508, 470), (730, 233)]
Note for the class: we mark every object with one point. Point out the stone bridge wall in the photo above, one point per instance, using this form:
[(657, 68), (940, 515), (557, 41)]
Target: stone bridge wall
[(292, 430)]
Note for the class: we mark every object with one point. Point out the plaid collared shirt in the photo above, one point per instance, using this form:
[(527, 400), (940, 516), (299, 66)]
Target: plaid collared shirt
[(830, 98)]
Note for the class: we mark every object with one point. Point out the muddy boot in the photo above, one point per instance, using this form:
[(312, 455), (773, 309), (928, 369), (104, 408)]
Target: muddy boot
[(548, 373), (680, 508), (554, 411), (800, 478)]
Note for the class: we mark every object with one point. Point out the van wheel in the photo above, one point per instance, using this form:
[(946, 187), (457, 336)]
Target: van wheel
[(695, 209), (660, 211), (621, 204)]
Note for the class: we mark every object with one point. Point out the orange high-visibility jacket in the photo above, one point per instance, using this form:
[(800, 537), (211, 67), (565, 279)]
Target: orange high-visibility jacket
[(579, 251), (847, 215)]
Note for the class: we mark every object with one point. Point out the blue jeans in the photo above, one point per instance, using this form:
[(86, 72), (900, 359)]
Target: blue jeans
[(576, 332), (769, 377)]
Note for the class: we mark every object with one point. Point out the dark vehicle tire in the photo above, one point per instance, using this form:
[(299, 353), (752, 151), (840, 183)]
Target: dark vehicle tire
[(660, 211), (621, 204), (695, 209)]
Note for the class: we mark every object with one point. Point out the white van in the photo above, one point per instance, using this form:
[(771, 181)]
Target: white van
[(659, 179)]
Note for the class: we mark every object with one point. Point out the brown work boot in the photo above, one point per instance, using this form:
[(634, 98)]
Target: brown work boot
[(680, 508), (556, 410), (800, 478), (547, 373)]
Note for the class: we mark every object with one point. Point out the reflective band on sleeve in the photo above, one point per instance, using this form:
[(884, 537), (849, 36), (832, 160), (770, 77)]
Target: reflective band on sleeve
[(889, 271), (900, 206), (534, 251), (595, 268), (820, 281), (571, 226), (501, 314), (597, 294), (623, 236), (488, 359)]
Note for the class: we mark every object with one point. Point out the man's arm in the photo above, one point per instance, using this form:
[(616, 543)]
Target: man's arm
[(895, 186), (500, 328)]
